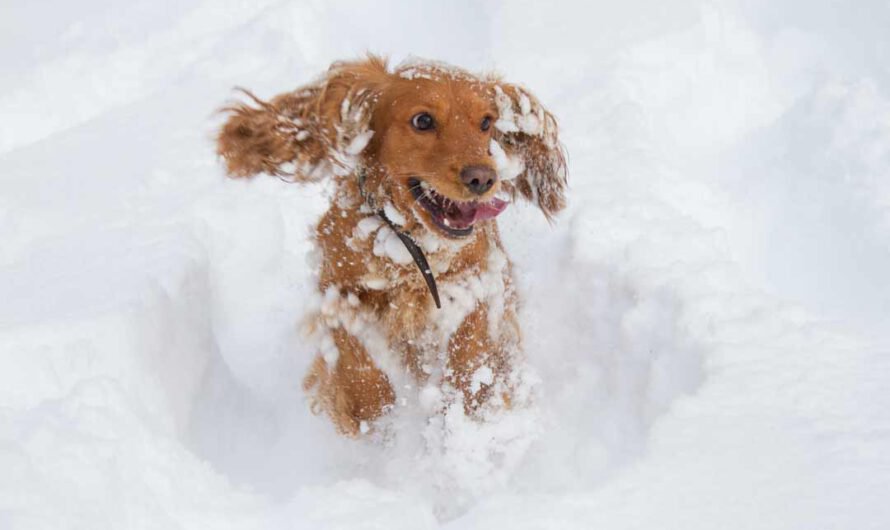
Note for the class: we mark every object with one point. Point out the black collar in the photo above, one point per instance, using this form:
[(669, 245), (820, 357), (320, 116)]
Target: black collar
[(412, 247)]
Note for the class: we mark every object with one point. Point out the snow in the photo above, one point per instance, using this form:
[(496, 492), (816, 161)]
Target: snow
[(388, 244), (706, 325), (508, 167), (394, 215), (527, 122), (359, 143)]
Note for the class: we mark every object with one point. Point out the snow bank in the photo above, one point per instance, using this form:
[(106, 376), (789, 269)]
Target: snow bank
[(707, 320)]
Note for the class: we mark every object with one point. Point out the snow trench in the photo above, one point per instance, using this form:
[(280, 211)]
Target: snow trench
[(706, 322)]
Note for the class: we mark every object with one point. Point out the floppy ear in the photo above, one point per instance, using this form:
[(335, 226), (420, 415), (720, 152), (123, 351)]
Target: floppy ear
[(308, 133), (527, 149)]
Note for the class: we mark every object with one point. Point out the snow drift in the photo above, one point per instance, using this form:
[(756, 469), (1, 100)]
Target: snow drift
[(708, 319)]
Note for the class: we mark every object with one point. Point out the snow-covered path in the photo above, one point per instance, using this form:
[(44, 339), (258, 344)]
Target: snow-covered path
[(709, 319)]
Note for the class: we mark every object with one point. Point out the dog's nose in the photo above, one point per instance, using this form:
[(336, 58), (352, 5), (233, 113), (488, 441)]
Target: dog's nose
[(478, 179)]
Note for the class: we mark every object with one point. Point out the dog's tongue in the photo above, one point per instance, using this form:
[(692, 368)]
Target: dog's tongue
[(462, 215), (489, 210)]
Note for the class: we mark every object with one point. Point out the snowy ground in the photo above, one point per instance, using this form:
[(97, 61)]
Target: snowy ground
[(709, 318)]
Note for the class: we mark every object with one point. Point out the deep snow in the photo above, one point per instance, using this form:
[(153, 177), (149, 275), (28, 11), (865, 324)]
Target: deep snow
[(708, 319)]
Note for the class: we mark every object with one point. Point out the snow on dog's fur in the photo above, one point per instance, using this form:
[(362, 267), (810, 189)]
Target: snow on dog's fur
[(437, 150)]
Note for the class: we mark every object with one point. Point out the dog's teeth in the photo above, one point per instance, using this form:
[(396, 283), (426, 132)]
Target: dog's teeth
[(446, 222)]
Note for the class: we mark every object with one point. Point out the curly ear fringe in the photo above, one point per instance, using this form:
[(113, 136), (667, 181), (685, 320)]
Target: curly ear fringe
[(545, 178), (525, 129), (269, 137), (306, 134)]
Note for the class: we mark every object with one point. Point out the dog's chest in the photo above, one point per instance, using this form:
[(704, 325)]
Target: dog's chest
[(364, 256)]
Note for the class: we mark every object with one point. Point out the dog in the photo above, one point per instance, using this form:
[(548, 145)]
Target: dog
[(415, 288)]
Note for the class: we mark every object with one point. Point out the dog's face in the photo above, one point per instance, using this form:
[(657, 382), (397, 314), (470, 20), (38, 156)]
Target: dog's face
[(432, 137), (446, 145)]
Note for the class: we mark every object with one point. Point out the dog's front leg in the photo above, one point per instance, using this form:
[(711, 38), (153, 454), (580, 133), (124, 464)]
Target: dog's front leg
[(476, 361), (353, 390)]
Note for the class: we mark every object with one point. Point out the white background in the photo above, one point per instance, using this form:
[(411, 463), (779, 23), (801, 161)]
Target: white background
[(709, 318)]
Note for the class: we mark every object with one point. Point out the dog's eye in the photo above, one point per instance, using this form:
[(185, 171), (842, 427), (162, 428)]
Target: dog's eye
[(423, 121), (486, 123)]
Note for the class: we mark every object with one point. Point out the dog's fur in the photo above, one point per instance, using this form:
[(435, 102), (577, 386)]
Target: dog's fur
[(377, 327)]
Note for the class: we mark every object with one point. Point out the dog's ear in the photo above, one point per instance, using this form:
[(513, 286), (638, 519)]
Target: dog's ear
[(527, 150), (308, 133)]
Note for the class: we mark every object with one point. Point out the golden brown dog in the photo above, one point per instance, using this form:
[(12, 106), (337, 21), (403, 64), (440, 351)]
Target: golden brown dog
[(426, 153)]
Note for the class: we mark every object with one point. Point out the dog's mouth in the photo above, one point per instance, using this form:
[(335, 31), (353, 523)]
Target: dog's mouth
[(455, 218)]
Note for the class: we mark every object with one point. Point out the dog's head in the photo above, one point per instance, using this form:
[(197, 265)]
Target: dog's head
[(432, 140)]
